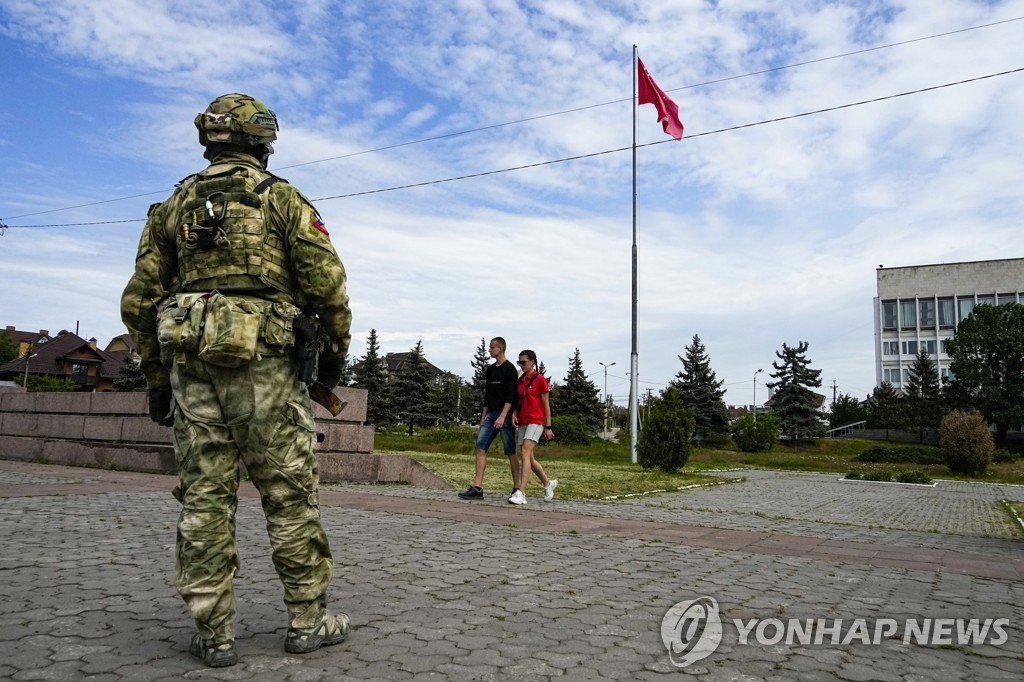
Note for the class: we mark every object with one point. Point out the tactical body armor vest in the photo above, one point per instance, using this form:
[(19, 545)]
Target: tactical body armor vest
[(224, 237)]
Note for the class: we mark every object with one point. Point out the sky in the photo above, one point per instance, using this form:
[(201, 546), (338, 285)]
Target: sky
[(750, 234)]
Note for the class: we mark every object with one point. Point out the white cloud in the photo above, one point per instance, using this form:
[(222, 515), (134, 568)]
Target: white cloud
[(748, 238)]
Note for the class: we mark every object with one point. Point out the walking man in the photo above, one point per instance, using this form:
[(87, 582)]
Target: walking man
[(496, 418)]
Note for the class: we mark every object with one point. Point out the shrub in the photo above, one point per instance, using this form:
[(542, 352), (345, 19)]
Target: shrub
[(853, 475), (912, 477), (1003, 455), (904, 455), (569, 431), (966, 442), (664, 442), (880, 475), (756, 435)]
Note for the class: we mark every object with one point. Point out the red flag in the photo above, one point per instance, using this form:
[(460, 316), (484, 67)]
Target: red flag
[(649, 93)]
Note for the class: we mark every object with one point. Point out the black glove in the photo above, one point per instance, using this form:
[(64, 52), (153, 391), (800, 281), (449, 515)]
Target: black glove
[(160, 405), (329, 369)]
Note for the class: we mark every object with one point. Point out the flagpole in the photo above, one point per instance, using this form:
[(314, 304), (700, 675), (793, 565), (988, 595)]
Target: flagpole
[(633, 353)]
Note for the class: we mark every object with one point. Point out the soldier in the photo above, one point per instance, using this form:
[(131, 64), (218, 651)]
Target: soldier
[(228, 268)]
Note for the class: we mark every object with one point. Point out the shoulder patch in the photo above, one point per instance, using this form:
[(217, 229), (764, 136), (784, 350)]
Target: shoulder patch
[(319, 225)]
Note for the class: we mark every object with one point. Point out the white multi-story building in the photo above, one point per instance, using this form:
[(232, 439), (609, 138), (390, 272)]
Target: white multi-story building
[(918, 307)]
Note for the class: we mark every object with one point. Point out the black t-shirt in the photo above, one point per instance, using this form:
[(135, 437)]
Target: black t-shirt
[(501, 386)]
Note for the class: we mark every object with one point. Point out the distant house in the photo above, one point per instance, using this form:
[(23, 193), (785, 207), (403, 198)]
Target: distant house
[(25, 340), (64, 356), (395, 362)]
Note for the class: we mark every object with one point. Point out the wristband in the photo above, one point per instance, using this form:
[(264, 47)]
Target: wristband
[(547, 427)]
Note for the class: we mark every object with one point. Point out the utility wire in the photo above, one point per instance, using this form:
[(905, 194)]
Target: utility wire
[(542, 116), (608, 151)]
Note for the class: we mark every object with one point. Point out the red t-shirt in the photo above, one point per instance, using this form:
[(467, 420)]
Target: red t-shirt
[(532, 410)]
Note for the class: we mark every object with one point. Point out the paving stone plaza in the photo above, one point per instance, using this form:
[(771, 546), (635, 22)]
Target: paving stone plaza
[(440, 588)]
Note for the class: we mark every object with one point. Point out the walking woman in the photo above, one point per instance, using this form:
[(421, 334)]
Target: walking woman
[(534, 420)]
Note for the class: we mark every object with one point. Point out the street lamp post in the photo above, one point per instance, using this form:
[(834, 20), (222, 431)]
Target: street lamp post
[(606, 395), (28, 356), (754, 406)]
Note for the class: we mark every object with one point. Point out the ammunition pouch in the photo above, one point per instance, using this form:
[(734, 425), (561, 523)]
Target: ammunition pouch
[(227, 331)]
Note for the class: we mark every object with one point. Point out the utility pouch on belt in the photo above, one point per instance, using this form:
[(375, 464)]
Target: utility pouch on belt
[(231, 331), (179, 325)]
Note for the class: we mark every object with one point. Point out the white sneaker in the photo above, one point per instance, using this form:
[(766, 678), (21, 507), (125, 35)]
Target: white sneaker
[(549, 490), (517, 498)]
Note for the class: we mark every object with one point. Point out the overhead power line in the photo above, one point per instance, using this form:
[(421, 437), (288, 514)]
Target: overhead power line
[(549, 115), (602, 153)]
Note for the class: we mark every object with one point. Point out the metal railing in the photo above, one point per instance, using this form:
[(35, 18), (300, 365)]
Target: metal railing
[(845, 430)]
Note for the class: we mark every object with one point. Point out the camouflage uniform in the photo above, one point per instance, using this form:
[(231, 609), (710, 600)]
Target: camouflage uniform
[(273, 260)]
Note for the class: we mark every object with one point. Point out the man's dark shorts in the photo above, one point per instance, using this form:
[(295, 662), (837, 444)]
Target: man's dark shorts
[(488, 433)]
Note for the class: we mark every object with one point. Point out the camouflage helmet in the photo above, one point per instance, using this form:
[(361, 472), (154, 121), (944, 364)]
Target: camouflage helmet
[(238, 120)]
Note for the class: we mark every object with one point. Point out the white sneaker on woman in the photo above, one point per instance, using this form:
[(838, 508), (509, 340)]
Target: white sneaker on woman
[(517, 498), (549, 490)]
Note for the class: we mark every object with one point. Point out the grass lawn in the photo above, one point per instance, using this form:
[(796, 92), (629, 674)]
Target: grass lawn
[(603, 469)]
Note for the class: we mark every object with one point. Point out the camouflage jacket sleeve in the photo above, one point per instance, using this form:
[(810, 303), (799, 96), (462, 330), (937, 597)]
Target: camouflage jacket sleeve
[(317, 270), (155, 269)]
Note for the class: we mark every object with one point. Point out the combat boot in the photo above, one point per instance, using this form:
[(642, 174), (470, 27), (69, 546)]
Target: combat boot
[(214, 655), (331, 628)]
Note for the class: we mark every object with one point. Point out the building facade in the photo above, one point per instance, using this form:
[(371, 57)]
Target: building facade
[(918, 307)]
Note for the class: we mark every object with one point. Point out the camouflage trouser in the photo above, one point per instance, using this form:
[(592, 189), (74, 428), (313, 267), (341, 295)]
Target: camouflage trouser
[(260, 413)]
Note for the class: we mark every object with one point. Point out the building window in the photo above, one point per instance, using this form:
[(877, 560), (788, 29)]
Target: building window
[(910, 347), (944, 344), (1003, 299), (908, 315), (890, 348), (927, 312), (906, 376), (966, 306), (79, 370), (947, 314), (892, 376), (987, 300), (929, 346), (888, 314)]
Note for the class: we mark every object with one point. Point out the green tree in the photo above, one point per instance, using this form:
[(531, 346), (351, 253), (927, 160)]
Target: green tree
[(8, 349), (701, 392), (479, 364), (577, 396), (46, 384), (923, 396), (446, 396), (846, 410), (346, 373), (794, 403), (664, 442), (410, 393), (885, 409), (987, 364), (129, 376), (756, 433), (371, 374)]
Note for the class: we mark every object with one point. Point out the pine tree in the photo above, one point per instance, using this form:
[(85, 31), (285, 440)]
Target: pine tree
[(371, 373), (129, 375), (794, 403), (411, 391), (578, 396), (701, 392), (479, 364), (923, 395)]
